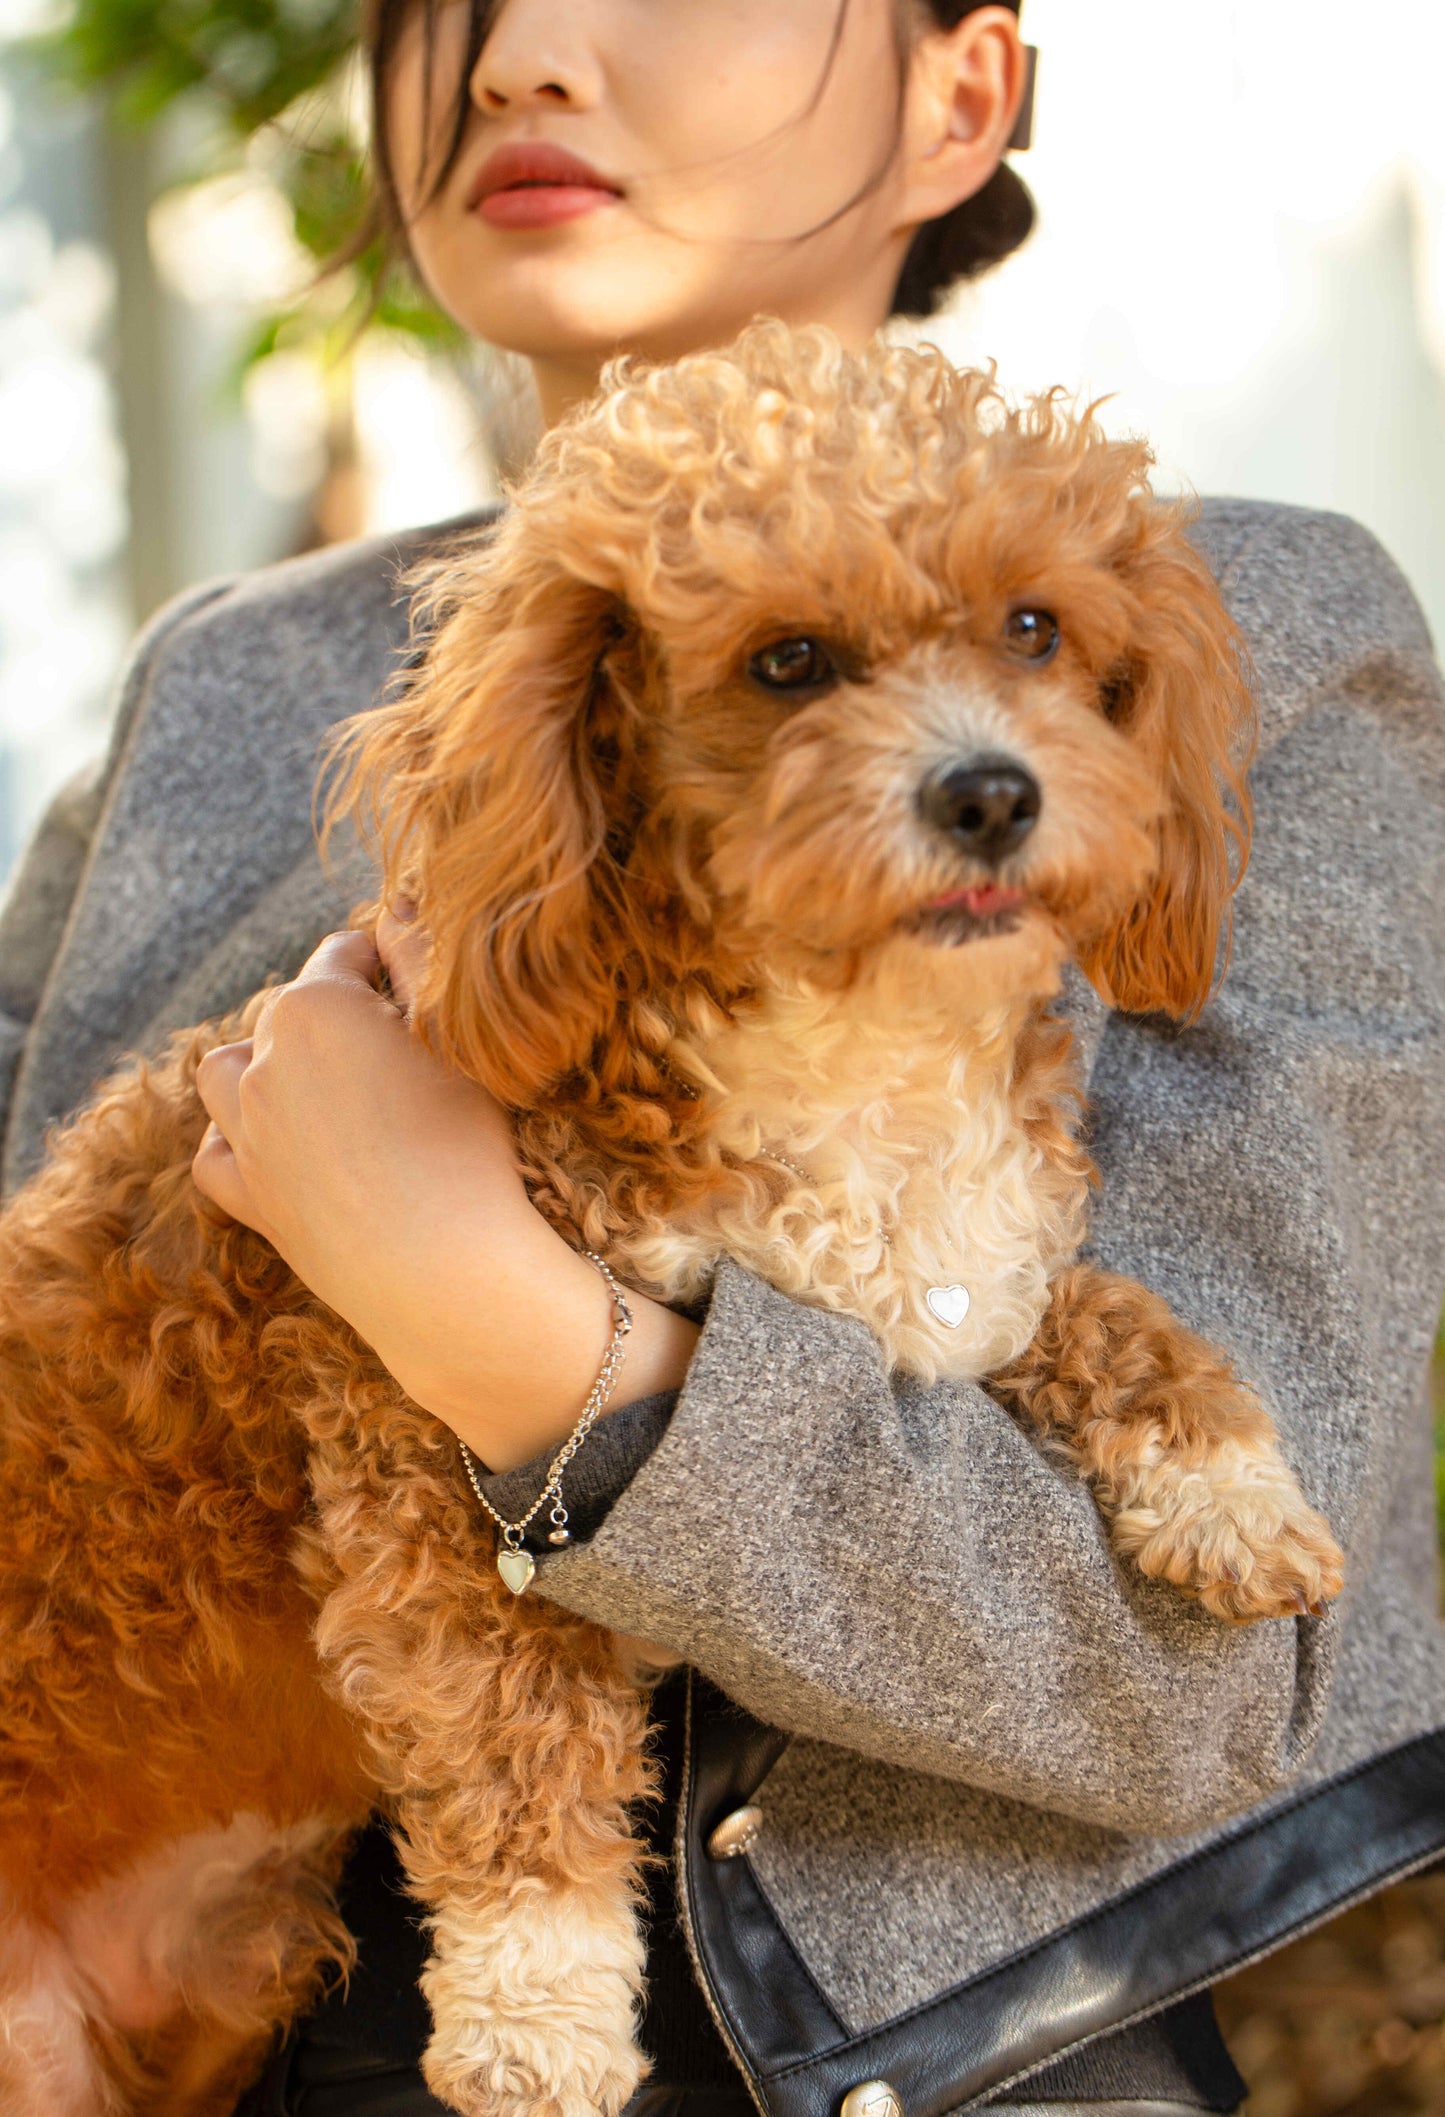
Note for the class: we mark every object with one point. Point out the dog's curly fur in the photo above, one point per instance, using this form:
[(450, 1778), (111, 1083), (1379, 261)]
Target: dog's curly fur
[(700, 938)]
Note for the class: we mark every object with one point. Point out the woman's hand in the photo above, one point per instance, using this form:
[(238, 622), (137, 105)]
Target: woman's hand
[(390, 1186)]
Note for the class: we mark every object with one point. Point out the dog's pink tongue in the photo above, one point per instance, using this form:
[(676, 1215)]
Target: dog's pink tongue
[(983, 898)]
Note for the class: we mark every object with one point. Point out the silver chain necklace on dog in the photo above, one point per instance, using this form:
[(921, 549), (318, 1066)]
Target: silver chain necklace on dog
[(950, 1304)]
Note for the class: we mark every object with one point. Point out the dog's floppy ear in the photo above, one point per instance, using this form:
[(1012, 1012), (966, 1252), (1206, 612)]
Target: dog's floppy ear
[(1181, 692), (497, 790)]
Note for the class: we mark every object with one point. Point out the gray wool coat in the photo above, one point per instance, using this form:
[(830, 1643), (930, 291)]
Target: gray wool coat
[(1013, 1795)]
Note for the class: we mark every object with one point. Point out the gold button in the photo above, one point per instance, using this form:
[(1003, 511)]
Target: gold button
[(735, 1834), (872, 2098)]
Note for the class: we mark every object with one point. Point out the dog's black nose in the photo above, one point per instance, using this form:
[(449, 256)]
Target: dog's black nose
[(987, 806)]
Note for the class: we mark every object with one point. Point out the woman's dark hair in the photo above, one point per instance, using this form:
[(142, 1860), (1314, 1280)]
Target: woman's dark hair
[(960, 245)]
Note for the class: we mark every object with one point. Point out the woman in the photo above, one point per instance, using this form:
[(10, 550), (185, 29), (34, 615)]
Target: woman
[(1016, 1806)]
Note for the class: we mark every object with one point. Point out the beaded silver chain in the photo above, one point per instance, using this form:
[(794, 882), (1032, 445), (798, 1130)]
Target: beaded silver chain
[(515, 1565)]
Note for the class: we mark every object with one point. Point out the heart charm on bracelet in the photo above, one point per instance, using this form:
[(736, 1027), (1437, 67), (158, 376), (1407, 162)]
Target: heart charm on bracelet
[(949, 1304), (516, 1568)]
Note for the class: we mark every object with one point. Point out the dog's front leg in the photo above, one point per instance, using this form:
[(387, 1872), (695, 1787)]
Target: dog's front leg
[(1183, 1460), (512, 1749), (533, 1985)]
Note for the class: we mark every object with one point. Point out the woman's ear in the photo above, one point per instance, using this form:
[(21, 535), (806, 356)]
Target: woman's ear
[(1182, 694), (498, 791), (966, 86)]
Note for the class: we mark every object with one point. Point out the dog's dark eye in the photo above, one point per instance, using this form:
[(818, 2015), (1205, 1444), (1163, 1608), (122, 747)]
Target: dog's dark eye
[(792, 665), (1033, 634)]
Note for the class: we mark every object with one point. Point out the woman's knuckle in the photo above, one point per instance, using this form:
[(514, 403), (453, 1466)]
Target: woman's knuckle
[(293, 1011)]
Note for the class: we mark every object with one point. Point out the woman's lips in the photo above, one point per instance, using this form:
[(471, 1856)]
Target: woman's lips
[(531, 184), (540, 206)]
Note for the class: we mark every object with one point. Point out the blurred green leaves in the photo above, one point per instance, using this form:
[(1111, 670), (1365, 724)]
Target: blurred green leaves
[(273, 87), (254, 57)]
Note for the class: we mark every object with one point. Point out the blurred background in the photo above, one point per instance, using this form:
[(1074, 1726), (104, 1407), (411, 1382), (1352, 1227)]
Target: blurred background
[(1241, 240)]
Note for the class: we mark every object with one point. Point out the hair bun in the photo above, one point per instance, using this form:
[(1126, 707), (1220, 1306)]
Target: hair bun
[(960, 245)]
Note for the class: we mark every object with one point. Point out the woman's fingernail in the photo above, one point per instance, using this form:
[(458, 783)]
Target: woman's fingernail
[(403, 910)]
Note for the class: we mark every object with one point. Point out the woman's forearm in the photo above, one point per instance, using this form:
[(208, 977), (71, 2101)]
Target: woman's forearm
[(522, 1325)]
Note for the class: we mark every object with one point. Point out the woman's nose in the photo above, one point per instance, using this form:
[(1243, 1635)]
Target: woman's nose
[(537, 54)]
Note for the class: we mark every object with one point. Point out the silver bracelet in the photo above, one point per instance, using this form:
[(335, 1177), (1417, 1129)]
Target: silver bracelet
[(515, 1565)]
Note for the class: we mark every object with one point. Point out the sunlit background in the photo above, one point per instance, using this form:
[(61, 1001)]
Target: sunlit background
[(1241, 241)]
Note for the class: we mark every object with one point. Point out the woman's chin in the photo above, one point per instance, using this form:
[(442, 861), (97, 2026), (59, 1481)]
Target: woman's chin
[(572, 296)]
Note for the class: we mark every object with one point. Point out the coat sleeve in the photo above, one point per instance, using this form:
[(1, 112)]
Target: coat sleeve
[(47, 878), (897, 1570)]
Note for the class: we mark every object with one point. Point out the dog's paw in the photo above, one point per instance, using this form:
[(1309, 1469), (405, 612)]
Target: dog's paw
[(1237, 1535), (492, 2070), (533, 2006)]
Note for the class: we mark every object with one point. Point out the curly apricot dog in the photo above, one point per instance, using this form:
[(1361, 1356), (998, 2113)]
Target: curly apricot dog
[(804, 715)]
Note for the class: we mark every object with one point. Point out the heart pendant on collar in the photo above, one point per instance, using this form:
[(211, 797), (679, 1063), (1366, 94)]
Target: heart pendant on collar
[(949, 1304)]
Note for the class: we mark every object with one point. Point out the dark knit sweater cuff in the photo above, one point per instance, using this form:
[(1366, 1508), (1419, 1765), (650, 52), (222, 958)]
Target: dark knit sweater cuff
[(597, 1476)]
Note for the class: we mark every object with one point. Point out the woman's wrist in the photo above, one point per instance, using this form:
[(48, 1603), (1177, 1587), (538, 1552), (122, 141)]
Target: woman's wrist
[(514, 1374)]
